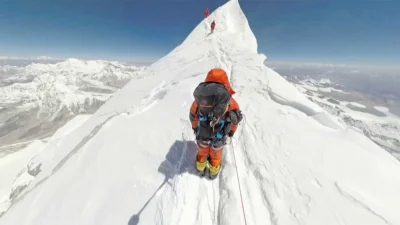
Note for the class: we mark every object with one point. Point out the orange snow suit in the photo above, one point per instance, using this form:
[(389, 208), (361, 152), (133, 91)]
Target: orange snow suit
[(213, 148), (206, 12), (212, 26)]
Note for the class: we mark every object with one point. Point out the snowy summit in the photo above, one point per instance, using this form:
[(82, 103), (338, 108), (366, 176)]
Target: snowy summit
[(133, 161)]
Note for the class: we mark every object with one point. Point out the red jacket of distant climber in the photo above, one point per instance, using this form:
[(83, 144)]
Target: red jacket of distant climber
[(206, 12), (212, 25)]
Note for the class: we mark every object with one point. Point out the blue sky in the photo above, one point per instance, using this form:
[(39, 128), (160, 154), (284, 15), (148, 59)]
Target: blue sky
[(362, 32)]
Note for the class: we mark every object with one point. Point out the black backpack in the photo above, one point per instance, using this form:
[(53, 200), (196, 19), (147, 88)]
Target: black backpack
[(212, 99)]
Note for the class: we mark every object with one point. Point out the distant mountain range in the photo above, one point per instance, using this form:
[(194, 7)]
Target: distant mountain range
[(38, 98), (354, 109)]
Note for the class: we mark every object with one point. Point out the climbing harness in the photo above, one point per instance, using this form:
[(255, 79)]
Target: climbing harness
[(213, 121)]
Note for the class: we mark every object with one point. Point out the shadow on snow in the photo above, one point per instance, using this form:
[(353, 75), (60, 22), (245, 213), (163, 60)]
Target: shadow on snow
[(179, 160)]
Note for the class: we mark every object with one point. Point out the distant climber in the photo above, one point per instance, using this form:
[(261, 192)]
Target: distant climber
[(206, 12), (212, 26), (215, 116)]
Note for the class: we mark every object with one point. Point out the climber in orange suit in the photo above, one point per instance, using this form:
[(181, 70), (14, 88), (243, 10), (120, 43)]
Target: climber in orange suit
[(206, 13), (215, 116), (212, 26)]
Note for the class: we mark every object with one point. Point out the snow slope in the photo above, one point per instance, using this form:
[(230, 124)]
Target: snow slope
[(132, 162), (10, 167), (12, 177)]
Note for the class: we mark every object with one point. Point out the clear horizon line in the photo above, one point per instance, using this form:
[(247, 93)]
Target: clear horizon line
[(296, 62)]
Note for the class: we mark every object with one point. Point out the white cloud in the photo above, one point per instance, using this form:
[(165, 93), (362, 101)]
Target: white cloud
[(42, 58), (9, 58)]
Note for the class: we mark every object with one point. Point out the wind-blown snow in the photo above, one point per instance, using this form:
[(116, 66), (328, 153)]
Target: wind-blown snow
[(133, 161)]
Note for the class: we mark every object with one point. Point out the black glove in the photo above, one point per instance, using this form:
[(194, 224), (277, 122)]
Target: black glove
[(234, 116), (231, 133), (194, 130), (239, 115)]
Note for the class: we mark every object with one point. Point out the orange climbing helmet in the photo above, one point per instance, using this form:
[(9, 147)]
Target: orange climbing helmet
[(219, 75)]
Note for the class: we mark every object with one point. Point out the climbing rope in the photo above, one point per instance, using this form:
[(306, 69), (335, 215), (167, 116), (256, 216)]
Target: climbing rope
[(240, 189)]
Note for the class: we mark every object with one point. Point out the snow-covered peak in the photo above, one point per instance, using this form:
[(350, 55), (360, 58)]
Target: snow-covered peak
[(230, 21), (90, 67), (324, 81), (320, 82), (133, 161)]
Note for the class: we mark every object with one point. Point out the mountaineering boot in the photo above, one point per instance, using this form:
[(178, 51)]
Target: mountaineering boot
[(201, 167), (214, 171)]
